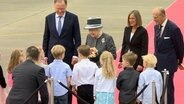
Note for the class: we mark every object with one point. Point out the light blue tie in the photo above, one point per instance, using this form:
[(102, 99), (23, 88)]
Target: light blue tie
[(59, 26)]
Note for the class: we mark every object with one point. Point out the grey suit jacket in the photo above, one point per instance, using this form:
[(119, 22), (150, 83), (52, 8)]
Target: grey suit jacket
[(104, 43), (27, 77)]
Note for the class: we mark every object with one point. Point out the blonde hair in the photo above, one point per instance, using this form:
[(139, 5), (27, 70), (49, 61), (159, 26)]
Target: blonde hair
[(15, 59), (108, 69), (57, 51), (130, 57), (150, 60)]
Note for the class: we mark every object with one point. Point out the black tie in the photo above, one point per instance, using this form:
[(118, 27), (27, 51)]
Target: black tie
[(159, 35), (160, 30)]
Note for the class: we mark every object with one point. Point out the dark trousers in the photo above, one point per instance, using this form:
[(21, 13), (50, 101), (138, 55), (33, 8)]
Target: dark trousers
[(61, 99), (86, 93), (134, 102), (170, 89), (70, 96)]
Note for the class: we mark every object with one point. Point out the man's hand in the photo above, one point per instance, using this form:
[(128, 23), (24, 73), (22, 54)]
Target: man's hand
[(139, 68), (74, 60), (181, 66), (45, 60)]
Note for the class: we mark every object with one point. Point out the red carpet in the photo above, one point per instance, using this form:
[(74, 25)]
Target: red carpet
[(174, 13)]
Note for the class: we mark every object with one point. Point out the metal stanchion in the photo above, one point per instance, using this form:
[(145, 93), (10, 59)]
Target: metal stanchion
[(153, 92), (164, 95), (51, 91)]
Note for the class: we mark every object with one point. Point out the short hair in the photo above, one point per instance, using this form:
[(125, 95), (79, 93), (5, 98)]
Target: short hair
[(130, 57), (33, 53), (137, 17), (55, 1), (150, 60), (57, 51), (84, 50)]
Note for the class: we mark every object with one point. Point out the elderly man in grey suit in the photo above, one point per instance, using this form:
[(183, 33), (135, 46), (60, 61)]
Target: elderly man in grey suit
[(27, 77), (168, 47)]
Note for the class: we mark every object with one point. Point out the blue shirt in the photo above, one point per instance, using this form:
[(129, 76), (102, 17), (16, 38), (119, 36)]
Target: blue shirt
[(148, 76), (59, 70)]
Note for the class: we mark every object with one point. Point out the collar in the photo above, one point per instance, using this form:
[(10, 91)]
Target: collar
[(58, 60), (164, 23), (56, 15)]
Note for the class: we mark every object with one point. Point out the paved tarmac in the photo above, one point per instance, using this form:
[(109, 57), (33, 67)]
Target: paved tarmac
[(22, 21)]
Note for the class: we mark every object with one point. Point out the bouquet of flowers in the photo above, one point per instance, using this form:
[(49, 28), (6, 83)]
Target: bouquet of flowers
[(93, 52)]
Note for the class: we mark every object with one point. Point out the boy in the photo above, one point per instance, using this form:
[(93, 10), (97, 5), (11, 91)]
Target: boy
[(127, 80), (59, 70), (148, 76), (84, 75)]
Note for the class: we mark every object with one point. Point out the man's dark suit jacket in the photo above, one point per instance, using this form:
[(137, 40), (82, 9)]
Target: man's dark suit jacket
[(169, 48), (127, 83), (169, 52), (70, 36), (27, 77), (138, 43)]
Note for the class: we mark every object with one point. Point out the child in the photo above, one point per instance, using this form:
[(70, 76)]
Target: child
[(148, 76), (105, 80), (42, 58), (17, 57), (84, 75), (59, 70), (127, 80)]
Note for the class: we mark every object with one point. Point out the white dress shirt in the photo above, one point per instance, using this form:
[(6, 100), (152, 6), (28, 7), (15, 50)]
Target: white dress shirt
[(163, 26), (103, 84), (84, 72), (148, 76)]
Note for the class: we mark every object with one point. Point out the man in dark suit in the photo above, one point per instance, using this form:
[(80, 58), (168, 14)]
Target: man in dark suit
[(62, 27), (168, 47), (27, 77)]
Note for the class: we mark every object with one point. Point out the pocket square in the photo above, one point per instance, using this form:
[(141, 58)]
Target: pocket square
[(166, 37)]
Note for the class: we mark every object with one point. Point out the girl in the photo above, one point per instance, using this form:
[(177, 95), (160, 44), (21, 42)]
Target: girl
[(105, 80), (16, 58), (42, 58)]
